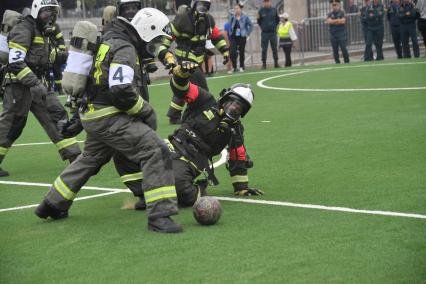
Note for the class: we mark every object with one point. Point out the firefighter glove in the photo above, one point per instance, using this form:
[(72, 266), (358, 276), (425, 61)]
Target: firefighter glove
[(151, 67), (70, 128), (169, 61), (38, 92), (248, 192), (189, 66), (226, 58)]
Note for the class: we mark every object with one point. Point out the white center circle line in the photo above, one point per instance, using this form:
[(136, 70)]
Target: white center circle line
[(262, 84)]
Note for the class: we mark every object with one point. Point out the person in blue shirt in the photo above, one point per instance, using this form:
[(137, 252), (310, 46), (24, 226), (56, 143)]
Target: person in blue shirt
[(408, 16), (375, 30), (241, 28), (337, 21), (395, 25)]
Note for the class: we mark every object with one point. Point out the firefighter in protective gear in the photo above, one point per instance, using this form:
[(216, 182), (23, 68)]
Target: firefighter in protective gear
[(58, 56), (118, 120), (128, 9), (26, 87), (208, 126), (190, 29)]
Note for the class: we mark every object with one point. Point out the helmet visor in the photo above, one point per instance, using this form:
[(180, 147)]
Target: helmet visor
[(129, 10), (233, 110), (47, 13), (202, 7)]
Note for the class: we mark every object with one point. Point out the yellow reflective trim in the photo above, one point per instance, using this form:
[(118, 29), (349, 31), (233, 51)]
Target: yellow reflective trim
[(66, 143), (160, 193), (236, 179), (3, 151), (220, 44), (170, 145), (198, 38), (24, 72), (94, 114), (179, 87), (16, 45), (209, 114), (174, 30), (137, 107), (100, 57), (38, 39), (59, 35), (132, 177), (58, 81), (176, 106), (190, 55), (62, 46), (10, 76), (188, 161), (64, 190), (161, 48)]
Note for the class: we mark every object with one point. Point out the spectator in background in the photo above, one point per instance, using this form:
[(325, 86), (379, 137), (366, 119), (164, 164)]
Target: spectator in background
[(393, 18), (241, 28), (208, 67), (408, 16), (421, 23), (227, 35), (268, 21), (364, 22), (352, 7), (287, 36), (375, 30), (337, 21)]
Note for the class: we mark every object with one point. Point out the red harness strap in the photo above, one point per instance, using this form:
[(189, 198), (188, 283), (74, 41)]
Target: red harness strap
[(237, 154), (192, 94)]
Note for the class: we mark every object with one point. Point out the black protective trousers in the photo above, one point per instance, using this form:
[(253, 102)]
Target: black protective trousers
[(396, 38), (238, 47), (338, 40)]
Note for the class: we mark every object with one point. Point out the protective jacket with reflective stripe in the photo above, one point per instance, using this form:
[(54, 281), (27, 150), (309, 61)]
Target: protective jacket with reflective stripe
[(112, 78), (28, 53), (190, 34)]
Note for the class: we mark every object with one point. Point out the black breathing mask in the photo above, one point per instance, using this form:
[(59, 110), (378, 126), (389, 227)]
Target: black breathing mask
[(129, 10), (46, 20), (201, 8), (232, 110)]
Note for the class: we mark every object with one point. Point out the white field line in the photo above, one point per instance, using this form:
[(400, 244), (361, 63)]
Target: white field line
[(77, 199), (49, 185), (261, 83), (282, 71), (240, 200), (37, 143), (323, 207), (220, 162)]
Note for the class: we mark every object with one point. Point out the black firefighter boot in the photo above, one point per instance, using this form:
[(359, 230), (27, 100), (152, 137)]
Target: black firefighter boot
[(3, 173), (140, 205), (164, 225), (45, 209)]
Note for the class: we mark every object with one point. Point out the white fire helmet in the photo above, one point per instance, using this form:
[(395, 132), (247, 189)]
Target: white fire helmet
[(40, 4)]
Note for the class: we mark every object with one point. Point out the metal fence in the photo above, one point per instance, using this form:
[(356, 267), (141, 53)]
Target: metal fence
[(313, 38)]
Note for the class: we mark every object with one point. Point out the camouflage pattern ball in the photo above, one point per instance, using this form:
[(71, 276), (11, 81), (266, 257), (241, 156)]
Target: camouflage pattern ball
[(207, 210)]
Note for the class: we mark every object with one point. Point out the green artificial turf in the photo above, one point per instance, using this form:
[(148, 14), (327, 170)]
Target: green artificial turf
[(358, 149)]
